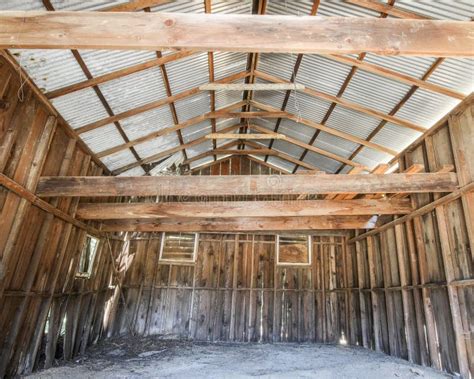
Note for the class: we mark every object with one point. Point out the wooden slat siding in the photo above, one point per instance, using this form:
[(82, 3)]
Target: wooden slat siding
[(40, 241), (429, 255), (234, 287), (30, 89), (177, 31), (244, 185)]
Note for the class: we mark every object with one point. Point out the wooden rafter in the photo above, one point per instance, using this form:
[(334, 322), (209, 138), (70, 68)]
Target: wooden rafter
[(299, 58), (347, 104), (235, 209), (324, 128), (390, 74), (156, 157), (310, 147), (233, 32), (341, 91), (82, 64), (135, 5), (245, 185), (397, 107), (210, 64), (118, 74), (153, 105), (162, 132), (284, 156), (387, 9)]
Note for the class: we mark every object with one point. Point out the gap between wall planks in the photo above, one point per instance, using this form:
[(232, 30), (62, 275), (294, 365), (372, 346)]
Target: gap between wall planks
[(434, 246)]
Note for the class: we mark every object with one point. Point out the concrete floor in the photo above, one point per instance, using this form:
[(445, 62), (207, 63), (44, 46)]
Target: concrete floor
[(153, 357)]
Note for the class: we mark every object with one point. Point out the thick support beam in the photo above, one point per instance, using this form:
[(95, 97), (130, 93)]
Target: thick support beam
[(89, 186), (219, 209), (232, 32), (242, 224)]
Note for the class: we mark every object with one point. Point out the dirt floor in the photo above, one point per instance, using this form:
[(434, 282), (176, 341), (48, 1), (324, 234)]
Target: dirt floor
[(155, 357)]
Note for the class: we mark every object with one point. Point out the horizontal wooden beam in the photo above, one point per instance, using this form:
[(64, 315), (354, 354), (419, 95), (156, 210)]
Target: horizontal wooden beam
[(418, 212), (245, 136), (90, 186), (24, 193), (252, 87), (241, 224), (235, 209), (234, 32)]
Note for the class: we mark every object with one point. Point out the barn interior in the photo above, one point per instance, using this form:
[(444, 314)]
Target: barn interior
[(203, 177)]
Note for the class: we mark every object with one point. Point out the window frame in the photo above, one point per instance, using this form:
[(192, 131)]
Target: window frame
[(309, 242), (175, 261), (88, 274)]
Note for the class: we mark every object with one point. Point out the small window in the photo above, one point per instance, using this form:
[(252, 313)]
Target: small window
[(87, 256), (178, 247), (293, 250)]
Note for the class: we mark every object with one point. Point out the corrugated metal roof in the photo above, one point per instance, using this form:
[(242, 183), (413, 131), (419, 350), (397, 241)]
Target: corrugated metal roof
[(54, 69)]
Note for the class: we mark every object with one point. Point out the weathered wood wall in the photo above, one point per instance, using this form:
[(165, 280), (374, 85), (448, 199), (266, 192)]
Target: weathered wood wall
[(236, 292), (39, 292), (416, 278)]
